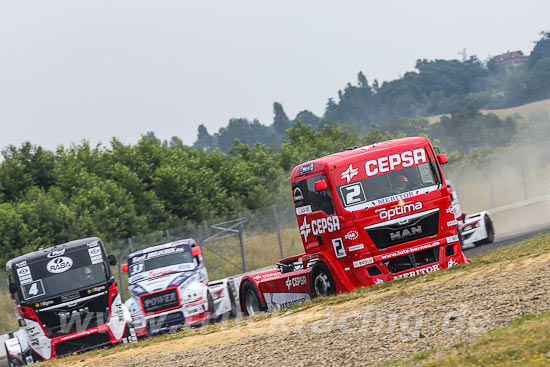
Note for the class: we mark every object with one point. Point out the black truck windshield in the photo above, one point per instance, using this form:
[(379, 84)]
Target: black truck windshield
[(50, 277), (159, 259), (388, 187)]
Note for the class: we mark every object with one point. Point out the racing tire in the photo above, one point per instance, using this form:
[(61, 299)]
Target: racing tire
[(211, 308), (322, 283), (130, 335), (233, 312), (250, 302), (460, 239), (490, 232), (8, 358)]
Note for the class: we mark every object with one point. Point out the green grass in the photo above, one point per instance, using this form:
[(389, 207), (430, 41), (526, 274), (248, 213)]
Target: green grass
[(524, 342), (8, 322)]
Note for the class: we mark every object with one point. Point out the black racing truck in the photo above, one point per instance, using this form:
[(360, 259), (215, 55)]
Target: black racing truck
[(66, 301)]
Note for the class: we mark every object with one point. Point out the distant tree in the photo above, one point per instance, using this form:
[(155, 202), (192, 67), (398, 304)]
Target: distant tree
[(280, 120), (538, 82), (308, 118), (540, 51), (204, 139)]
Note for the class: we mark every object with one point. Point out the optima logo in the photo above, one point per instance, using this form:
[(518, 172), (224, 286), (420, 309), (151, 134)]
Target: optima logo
[(401, 207)]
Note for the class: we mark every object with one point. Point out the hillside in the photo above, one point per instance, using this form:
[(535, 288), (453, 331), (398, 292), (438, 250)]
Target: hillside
[(399, 322), (524, 111)]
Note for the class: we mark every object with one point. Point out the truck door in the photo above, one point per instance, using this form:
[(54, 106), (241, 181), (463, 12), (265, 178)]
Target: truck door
[(311, 207)]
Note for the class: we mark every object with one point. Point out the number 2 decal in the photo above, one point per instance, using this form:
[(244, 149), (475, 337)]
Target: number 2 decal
[(339, 249), (353, 194)]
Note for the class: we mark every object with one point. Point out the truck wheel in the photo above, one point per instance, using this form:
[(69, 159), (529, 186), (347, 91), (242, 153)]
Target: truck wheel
[(322, 283), (211, 308), (490, 232), (233, 312), (9, 360), (130, 335), (250, 302)]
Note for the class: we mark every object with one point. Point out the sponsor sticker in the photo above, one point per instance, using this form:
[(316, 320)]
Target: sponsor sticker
[(363, 262), (303, 210), (24, 274), (352, 235), (402, 207), (296, 281), (95, 255), (426, 270), (452, 239), (56, 253), (59, 264), (319, 226), (451, 223), (307, 168), (349, 173), (356, 247), (409, 250), (396, 161)]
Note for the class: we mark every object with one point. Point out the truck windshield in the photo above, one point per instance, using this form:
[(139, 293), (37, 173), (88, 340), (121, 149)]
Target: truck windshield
[(51, 277), (180, 255), (388, 187)]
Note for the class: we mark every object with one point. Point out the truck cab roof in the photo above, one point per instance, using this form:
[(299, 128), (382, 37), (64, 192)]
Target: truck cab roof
[(187, 241), (356, 154), (39, 254)]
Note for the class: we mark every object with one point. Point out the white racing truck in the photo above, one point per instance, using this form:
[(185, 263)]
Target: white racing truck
[(169, 289), (473, 229)]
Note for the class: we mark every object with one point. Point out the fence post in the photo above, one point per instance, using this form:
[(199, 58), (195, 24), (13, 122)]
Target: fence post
[(524, 183), (206, 230), (491, 182), (241, 230), (278, 231), (125, 253)]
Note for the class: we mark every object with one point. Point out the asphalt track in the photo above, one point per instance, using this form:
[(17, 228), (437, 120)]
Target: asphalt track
[(470, 250)]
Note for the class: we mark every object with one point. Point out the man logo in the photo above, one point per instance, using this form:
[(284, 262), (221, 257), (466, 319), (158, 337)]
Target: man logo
[(405, 233)]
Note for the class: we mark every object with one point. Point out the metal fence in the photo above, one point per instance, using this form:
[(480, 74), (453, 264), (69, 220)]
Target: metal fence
[(231, 245)]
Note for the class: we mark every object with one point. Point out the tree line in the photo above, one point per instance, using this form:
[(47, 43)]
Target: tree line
[(435, 87)]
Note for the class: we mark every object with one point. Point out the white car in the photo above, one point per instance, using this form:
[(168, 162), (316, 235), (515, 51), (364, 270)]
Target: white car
[(169, 288), (476, 229)]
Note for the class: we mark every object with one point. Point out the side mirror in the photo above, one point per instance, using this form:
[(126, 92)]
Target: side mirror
[(442, 159), (196, 251), (112, 260), (124, 268), (12, 288), (321, 185)]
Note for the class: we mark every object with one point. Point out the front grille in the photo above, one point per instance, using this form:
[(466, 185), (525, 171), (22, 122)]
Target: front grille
[(403, 230), (82, 343), (71, 319), (413, 260), (160, 301), (171, 319)]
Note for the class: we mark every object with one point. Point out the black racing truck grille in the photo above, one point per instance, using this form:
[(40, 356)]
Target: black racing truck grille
[(82, 344), (414, 260), (165, 300), (403, 230)]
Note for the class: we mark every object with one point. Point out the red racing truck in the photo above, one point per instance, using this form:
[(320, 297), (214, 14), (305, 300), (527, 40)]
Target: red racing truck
[(366, 216)]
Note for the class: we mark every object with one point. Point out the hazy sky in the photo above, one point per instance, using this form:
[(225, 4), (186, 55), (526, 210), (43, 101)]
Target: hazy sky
[(72, 70)]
